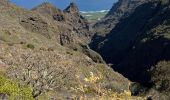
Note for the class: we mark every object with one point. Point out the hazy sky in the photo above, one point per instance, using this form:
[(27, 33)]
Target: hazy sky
[(84, 5)]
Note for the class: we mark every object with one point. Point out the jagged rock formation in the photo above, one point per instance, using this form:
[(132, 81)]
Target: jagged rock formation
[(47, 9), (73, 28), (36, 63), (139, 43), (79, 23), (69, 20), (72, 8)]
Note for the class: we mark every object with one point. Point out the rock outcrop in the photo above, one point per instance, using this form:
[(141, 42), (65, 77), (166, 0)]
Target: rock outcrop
[(72, 8), (72, 26)]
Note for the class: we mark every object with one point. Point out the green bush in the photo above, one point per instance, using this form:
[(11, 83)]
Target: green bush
[(31, 46), (22, 42), (14, 90)]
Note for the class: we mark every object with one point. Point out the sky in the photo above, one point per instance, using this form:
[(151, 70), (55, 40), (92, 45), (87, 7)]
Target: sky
[(84, 5)]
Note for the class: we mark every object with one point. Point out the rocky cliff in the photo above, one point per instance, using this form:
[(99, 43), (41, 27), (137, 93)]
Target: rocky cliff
[(119, 11), (71, 29), (138, 46), (69, 21)]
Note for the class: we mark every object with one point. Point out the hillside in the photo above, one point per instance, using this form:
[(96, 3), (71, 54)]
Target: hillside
[(119, 11), (44, 55), (138, 45), (47, 53)]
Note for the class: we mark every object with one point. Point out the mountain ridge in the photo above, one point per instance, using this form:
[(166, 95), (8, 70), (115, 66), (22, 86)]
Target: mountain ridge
[(138, 47), (38, 61)]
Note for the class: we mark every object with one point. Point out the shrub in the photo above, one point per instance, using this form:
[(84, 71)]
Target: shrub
[(14, 90), (70, 53), (31, 46), (22, 42), (50, 49)]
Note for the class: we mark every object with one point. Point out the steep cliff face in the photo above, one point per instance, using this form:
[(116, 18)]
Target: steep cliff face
[(119, 11), (72, 8), (139, 43), (35, 63), (72, 26), (78, 22)]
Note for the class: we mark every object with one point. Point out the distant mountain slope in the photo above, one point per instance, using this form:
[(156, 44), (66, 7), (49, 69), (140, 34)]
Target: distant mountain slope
[(138, 46), (120, 10)]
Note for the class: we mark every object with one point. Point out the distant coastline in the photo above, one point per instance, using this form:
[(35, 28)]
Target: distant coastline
[(100, 11), (94, 16)]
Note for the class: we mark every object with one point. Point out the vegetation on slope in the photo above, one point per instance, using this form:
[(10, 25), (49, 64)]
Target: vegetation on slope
[(13, 90), (138, 42), (34, 51)]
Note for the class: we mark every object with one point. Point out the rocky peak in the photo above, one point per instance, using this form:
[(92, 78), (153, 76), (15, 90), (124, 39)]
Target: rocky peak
[(125, 7), (45, 5), (120, 10), (46, 8), (49, 10), (72, 8)]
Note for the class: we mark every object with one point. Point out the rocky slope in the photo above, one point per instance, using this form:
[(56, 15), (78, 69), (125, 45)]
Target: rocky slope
[(138, 46), (36, 63), (119, 11), (58, 73), (69, 21), (71, 28)]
